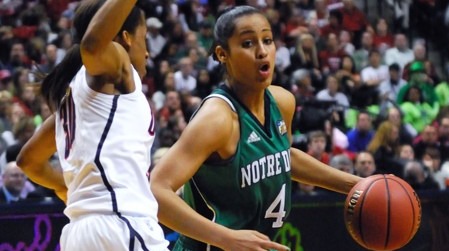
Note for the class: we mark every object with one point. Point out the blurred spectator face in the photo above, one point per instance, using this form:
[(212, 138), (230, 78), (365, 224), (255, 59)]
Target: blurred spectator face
[(364, 122), (345, 37), (307, 43), (348, 4), (317, 145), (164, 67), (17, 53), (203, 77), (332, 41), (193, 55), (394, 75), (191, 40), (394, 135), (173, 101), (17, 113), (394, 116), (433, 162), (382, 27), (64, 23), (347, 64), (169, 81), (429, 134), (374, 59), (28, 94), (364, 164), (414, 95), (51, 53), (406, 152), (332, 85), (13, 178), (186, 66), (67, 41), (367, 40), (400, 42), (414, 173), (444, 128), (420, 52)]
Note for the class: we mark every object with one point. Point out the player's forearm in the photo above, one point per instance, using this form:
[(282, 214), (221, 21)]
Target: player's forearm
[(311, 171), (177, 215), (106, 24), (45, 175)]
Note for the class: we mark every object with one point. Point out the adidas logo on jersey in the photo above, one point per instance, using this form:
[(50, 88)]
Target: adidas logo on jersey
[(253, 137)]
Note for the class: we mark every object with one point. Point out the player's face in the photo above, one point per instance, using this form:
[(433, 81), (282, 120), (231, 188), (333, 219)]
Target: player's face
[(250, 59), (138, 52)]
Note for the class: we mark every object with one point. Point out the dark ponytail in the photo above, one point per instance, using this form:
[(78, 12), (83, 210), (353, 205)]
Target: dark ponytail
[(55, 84)]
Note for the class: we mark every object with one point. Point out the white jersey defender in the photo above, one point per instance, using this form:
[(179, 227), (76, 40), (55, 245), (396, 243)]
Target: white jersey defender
[(104, 143)]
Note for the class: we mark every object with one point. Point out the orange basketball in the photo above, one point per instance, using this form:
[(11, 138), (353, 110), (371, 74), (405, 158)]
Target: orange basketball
[(382, 212)]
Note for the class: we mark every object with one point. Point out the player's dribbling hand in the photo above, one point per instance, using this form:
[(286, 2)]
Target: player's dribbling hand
[(251, 240)]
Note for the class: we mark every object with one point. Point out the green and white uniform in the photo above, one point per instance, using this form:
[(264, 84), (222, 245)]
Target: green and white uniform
[(252, 189)]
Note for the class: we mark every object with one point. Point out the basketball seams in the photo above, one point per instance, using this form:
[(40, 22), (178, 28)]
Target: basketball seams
[(387, 189), (413, 208), (361, 209)]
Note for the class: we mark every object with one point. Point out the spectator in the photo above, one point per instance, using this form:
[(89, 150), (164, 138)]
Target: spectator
[(383, 39), (342, 163), (417, 112), (443, 137), (364, 164), (183, 77), (349, 79), (375, 72), (345, 42), (420, 54), (383, 147), (432, 161), (427, 138), (400, 53), (13, 184), (361, 55), (388, 89), (301, 85), (204, 85), (316, 146), (334, 24), (305, 56), (51, 57), (155, 40), (406, 131), (331, 57), (406, 153), (416, 175), (360, 136), (354, 21), (331, 93), (419, 78)]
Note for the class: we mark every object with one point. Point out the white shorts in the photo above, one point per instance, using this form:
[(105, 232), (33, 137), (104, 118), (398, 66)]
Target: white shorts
[(111, 233)]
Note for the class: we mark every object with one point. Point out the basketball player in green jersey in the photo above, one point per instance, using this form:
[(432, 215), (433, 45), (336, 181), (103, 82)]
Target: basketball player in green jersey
[(235, 156)]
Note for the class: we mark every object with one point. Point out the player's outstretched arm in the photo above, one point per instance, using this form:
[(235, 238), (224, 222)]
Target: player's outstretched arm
[(210, 131), (34, 156), (101, 56), (309, 170), (305, 168)]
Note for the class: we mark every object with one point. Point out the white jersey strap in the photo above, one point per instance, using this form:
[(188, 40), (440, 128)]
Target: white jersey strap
[(216, 95)]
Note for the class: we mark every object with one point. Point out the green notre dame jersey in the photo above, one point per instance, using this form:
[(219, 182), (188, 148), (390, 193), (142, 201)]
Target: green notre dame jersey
[(251, 190)]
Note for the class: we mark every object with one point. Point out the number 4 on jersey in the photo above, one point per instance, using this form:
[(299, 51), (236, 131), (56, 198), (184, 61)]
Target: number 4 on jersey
[(280, 214)]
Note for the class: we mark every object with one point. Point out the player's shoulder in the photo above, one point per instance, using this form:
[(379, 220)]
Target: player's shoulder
[(284, 98)]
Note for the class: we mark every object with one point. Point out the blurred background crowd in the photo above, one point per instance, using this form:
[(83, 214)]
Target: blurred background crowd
[(369, 77)]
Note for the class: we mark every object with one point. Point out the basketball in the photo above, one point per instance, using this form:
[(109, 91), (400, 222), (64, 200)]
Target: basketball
[(382, 212)]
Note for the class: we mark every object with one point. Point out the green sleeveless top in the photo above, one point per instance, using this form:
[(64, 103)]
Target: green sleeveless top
[(251, 190)]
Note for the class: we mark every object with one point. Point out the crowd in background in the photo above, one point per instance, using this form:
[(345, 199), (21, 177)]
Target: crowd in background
[(370, 99)]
